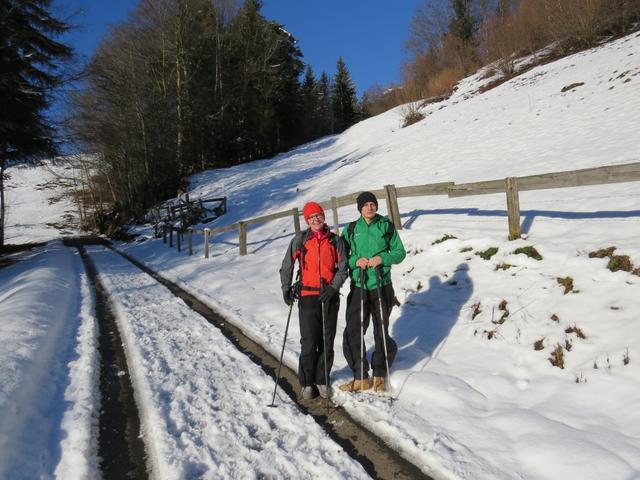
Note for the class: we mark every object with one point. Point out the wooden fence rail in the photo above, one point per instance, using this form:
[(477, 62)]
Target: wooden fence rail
[(629, 172)]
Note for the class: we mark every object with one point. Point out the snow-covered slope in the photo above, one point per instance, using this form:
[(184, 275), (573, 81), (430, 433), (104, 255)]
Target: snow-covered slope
[(48, 368), (475, 399), (40, 203), (477, 396)]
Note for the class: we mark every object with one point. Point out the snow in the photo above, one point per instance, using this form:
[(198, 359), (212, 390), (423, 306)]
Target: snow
[(203, 402), (48, 378), (39, 205), (474, 399)]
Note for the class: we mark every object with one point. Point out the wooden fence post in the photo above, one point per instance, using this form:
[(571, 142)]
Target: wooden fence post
[(178, 240), (336, 223), (164, 233), (392, 205), (242, 237), (513, 207), (296, 219), (206, 242), (170, 236), (190, 241)]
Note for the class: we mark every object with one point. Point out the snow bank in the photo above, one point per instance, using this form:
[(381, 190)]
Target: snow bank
[(47, 367)]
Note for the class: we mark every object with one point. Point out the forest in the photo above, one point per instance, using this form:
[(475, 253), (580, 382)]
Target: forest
[(187, 85)]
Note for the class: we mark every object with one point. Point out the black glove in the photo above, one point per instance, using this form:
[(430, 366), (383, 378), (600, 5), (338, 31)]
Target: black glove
[(290, 295), (327, 293), (287, 296), (295, 289)]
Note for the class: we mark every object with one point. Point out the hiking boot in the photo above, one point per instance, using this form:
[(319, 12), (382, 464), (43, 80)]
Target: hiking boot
[(308, 393), (379, 384), (324, 391), (356, 385)]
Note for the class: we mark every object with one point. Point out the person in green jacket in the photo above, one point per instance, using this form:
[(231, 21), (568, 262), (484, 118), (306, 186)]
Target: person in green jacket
[(374, 244)]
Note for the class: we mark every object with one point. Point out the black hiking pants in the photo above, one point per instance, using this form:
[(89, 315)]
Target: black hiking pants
[(311, 364), (351, 340)]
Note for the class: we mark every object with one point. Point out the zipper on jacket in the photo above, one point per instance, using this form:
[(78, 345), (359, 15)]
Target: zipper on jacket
[(319, 271)]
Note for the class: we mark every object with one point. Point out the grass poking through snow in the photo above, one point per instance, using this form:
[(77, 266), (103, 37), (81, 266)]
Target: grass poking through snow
[(557, 357), (488, 253), (567, 283), (530, 252)]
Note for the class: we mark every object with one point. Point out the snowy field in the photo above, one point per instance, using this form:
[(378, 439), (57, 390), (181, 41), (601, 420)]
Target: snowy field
[(40, 206), (477, 395), (48, 367)]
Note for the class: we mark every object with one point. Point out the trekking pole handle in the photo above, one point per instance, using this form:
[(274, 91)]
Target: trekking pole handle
[(296, 284), (378, 273)]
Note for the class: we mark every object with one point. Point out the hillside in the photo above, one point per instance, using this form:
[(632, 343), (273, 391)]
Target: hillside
[(477, 394), (473, 404), (40, 203)]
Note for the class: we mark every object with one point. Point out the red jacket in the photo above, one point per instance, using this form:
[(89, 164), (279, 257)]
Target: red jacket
[(322, 257)]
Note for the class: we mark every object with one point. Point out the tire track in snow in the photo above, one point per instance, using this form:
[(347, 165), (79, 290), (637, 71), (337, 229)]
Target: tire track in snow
[(120, 446)]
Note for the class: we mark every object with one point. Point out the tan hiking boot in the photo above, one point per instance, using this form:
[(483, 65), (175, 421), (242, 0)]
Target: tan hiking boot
[(356, 385), (379, 384)]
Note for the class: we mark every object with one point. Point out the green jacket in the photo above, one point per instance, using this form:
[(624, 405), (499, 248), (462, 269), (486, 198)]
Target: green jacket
[(371, 240)]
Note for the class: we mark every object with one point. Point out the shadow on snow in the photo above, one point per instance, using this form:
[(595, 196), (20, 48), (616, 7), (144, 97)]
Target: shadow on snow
[(428, 316), (529, 215)]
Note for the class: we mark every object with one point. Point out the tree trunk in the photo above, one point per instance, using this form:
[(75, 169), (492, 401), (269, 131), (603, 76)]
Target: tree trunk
[(181, 81), (3, 164)]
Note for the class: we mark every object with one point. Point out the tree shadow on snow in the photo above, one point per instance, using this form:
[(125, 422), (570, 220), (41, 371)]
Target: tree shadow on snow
[(428, 316), (260, 244), (276, 189), (531, 215)]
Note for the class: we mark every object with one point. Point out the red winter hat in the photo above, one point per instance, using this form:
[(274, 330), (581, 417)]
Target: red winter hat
[(312, 208)]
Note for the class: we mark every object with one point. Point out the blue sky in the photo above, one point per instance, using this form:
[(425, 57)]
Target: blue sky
[(368, 34)]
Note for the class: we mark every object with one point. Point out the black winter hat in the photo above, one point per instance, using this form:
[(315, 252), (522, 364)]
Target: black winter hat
[(366, 197)]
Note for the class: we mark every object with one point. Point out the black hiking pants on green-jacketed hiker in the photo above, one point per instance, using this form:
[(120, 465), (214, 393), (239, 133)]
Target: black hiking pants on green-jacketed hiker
[(311, 363), (351, 339)]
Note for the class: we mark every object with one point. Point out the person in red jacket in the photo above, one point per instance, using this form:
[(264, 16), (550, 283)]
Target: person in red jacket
[(322, 257)]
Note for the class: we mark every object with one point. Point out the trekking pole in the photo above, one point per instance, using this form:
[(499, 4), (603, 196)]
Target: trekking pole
[(281, 355), (286, 330), (384, 332), (324, 347), (362, 352)]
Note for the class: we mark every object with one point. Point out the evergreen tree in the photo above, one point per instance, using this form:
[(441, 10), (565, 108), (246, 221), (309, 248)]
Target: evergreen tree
[(285, 97), (463, 23), (266, 67), (463, 28), (310, 105), (325, 106), (308, 88), (30, 60), (503, 9), (362, 112), (343, 98)]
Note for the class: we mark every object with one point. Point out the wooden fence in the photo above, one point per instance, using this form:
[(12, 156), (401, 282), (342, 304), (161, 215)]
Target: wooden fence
[(629, 172), (511, 186), (187, 212)]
